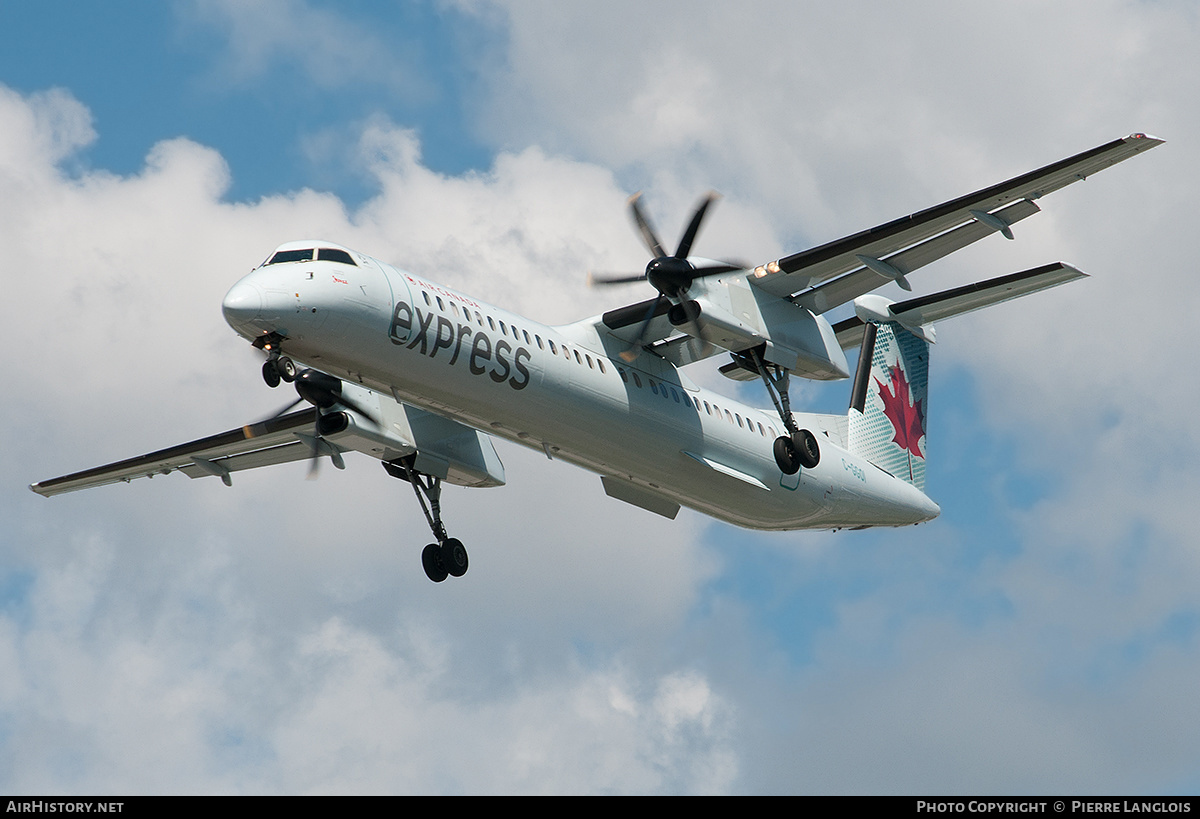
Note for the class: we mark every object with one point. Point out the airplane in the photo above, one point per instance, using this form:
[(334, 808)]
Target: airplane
[(421, 377)]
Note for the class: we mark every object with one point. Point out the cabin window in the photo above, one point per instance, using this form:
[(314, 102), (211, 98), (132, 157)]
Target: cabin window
[(539, 341), (653, 386), (526, 334), (600, 361), (578, 360), (675, 395), (491, 323), (551, 342), (332, 254), (707, 408), (503, 329), (637, 382), (425, 295), (441, 306), (589, 361), (624, 377)]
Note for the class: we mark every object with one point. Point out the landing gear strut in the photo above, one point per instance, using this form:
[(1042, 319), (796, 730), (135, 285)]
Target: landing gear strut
[(799, 448), (448, 556)]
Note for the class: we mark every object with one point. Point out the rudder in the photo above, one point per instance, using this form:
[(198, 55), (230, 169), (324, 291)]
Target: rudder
[(888, 404)]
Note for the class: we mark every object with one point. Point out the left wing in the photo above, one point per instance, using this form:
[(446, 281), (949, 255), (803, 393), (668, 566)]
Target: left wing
[(273, 441), (442, 447)]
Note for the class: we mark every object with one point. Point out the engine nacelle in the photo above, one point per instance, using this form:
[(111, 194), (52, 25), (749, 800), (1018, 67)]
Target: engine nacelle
[(443, 448), (737, 316)]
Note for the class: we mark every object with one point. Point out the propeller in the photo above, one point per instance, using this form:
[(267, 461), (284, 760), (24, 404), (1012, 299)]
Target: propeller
[(323, 391), (670, 274)]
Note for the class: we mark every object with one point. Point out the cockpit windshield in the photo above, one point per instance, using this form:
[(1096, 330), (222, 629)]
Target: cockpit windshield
[(292, 256), (325, 254), (332, 254)]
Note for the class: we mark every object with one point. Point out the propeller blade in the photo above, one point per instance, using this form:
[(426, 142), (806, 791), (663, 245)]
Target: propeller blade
[(631, 354), (643, 224), (689, 235), (717, 269), (604, 279), (282, 411), (349, 404)]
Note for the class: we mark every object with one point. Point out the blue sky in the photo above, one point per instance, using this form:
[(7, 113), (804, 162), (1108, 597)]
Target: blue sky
[(176, 636)]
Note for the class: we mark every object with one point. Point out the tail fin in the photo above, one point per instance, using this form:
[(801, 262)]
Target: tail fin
[(888, 404)]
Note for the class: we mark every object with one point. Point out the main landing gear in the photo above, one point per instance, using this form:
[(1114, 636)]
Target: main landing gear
[(447, 557), (799, 448)]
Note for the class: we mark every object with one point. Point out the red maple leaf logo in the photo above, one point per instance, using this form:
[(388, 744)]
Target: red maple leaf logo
[(906, 415)]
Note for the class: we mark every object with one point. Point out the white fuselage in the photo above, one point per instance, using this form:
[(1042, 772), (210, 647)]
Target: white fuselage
[(562, 390)]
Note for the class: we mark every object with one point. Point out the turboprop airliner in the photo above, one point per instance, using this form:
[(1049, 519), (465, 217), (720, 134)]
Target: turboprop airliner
[(421, 377)]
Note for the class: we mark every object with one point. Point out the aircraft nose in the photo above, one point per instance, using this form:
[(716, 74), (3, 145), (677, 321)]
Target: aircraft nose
[(242, 305)]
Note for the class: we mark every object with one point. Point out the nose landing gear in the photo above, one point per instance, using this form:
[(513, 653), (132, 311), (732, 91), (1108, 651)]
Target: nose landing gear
[(278, 368), (447, 557)]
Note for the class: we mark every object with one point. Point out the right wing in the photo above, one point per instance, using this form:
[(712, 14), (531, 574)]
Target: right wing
[(892, 250)]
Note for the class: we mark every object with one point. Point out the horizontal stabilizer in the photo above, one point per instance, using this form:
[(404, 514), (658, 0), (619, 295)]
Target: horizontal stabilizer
[(926, 310)]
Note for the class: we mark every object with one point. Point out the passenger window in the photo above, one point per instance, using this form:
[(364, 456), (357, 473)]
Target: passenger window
[(653, 386), (491, 323), (441, 306), (539, 342), (600, 361), (637, 382), (589, 361), (426, 297), (552, 349), (624, 377)]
